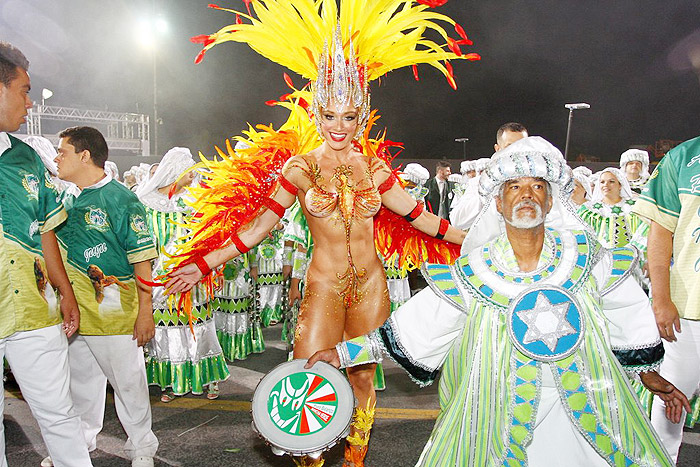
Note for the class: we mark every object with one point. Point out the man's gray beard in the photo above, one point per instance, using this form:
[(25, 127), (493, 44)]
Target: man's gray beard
[(527, 222)]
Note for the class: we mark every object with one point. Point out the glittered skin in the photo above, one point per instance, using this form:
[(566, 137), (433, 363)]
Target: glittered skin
[(339, 203)]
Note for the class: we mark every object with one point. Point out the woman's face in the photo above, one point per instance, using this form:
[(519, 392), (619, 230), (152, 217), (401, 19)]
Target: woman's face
[(339, 125), (610, 187)]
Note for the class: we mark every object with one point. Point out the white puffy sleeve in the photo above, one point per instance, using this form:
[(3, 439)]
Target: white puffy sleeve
[(417, 336), (634, 337)]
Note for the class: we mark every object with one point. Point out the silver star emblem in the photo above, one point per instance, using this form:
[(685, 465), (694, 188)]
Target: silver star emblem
[(546, 322)]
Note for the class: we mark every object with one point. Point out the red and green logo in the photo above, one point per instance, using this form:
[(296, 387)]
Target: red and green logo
[(302, 403)]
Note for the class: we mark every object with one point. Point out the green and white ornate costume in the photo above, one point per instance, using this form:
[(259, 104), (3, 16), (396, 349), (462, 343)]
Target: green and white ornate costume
[(534, 365), (238, 333), (616, 225), (268, 261), (182, 359), (297, 232)]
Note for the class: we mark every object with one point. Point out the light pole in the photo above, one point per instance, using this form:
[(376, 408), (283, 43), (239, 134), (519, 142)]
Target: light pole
[(45, 94), (572, 107), (464, 146), (149, 30)]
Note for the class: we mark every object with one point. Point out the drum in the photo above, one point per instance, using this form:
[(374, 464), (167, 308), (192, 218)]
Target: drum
[(302, 412)]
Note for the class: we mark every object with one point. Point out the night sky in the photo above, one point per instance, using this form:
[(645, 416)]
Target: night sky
[(632, 60)]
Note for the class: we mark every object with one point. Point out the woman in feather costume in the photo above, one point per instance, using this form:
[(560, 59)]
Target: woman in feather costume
[(342, 180)]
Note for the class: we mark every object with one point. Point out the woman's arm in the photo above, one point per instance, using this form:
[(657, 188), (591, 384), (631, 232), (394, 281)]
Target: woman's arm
[(400, 202), (184, 278)]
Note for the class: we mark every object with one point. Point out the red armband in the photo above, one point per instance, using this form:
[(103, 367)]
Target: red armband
[(442, 230), (202, 265), (386, 186), (274, 206), (239, 244), (417, 211), (287, 185)]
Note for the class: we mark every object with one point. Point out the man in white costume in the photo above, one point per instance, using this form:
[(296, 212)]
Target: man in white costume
[(635, 164), (534, 331)]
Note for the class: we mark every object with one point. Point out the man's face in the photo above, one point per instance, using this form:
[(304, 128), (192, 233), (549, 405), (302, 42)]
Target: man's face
[(14, 102), (508, 138), (525, 202), (633, 169), (443, 172), (69, 161), (578, 196)]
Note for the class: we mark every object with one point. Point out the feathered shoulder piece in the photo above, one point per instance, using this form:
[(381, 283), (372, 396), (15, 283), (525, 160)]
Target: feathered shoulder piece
[(395, 239), (237, 183)]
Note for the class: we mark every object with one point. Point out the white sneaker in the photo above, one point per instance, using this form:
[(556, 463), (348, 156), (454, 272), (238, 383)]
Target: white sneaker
[(141, 461), (47, 462)]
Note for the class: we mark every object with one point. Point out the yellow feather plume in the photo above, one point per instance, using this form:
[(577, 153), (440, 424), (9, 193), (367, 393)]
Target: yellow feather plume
[(387, 34)]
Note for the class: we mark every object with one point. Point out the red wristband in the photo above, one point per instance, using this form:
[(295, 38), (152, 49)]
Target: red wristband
[(202, 265), (274, 206), (287, 185), (388, 183), (239, 244), (442, 230), (417, 211)]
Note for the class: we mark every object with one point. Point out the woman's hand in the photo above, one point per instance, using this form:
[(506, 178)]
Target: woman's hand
[(183, 279)]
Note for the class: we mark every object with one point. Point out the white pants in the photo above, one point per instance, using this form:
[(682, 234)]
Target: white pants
[(556, 441), (93, 361), (39, 363), (681, 366)]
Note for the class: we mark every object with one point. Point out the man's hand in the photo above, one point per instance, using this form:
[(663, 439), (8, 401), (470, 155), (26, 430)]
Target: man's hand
[(144, 329), (667, 319), (183, 279), (71, 314), (674, 400), (329, 356)]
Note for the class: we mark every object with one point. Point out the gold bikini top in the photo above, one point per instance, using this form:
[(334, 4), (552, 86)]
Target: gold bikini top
[(347, 197)]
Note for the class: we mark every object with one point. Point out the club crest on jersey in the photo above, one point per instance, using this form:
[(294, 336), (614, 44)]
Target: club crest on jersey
[(138, 225), (96, 219), (30, 182)]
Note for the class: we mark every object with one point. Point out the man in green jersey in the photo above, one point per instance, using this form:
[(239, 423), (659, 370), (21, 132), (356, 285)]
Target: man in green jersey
[(671, 201), (107, 243), (31, 338)]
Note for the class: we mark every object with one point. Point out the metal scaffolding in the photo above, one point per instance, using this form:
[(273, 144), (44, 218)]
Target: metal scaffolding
[(123, 131)]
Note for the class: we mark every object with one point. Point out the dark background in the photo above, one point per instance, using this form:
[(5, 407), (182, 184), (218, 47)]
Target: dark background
[(631, 60)]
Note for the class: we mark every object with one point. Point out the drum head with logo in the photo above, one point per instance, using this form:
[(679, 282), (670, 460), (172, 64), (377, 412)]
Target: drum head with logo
[(303, 412)]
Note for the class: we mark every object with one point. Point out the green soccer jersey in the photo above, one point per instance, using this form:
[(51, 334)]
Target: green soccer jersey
[(28, 208), (106, 233), (671, 198)]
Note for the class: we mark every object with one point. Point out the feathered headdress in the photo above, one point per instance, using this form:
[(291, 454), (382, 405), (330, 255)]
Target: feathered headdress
[(369, 39)]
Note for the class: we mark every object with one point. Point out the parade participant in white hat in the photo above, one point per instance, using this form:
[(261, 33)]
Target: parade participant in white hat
[(179, 360), (582, 185), (532, 331), (609, 212), (635, 164)]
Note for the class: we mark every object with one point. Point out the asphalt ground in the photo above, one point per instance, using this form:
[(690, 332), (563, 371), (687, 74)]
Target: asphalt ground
[(194, 431)]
